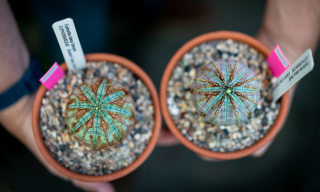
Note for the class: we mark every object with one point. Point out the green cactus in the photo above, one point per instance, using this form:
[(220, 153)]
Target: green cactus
[(225, 92), (100, 113)]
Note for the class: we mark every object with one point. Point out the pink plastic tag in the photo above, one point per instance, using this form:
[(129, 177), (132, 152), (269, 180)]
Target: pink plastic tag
[(52, 76), (278, 63)]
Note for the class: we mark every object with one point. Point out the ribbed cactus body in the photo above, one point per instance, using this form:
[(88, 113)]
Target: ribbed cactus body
[(100, 113), (225, 92)]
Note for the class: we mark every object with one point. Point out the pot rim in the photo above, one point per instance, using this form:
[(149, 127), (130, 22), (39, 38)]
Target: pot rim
[(219, 35), (118, 174)]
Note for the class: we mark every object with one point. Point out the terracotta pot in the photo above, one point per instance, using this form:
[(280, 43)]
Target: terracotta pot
[(164, 106), (156, 130)]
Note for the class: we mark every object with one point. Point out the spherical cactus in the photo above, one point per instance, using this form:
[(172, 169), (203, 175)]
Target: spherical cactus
[(100, 113), (225, 92)]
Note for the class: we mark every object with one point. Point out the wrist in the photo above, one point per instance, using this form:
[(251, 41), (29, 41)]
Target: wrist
[(17, 118)]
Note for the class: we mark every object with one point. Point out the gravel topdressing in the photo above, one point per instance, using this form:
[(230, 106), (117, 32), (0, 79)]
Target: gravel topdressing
[(184, 114), (79, 158)]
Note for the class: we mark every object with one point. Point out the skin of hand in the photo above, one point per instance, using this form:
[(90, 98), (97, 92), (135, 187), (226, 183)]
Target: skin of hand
[(17, 117), (292, 24)]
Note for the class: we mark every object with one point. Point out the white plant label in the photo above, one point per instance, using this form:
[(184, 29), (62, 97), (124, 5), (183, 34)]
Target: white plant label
[(66, 34), (301, 67)]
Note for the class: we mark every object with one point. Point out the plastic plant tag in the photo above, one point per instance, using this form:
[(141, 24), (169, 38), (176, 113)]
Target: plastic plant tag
[(301, 67), (52, 76), (278, 63), (69, 43)]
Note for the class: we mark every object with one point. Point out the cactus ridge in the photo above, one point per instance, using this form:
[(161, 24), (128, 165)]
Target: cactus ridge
[(100, 113), (225, 92)]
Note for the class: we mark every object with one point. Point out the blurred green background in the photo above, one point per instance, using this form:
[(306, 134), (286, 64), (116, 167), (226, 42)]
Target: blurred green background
[(149, 32)]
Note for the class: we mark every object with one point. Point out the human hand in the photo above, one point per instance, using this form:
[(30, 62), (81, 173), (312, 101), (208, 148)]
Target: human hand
[(17, 120), (17, 117), (294, 26)]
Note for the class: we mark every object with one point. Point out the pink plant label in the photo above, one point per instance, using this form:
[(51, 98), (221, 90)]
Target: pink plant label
[(53, 75), (278, 63)]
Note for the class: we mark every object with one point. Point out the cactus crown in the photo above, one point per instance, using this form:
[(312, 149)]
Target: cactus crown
[(100, 113), (225, 92)]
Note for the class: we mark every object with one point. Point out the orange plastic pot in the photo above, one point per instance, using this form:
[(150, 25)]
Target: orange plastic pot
[(284, 101), (156, 129)]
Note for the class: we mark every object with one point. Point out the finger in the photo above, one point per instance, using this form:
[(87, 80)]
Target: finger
[(166, 138), (292, 90), (261, 151), (26, 136), (30, 142), (86, 186), (94, 187), (208, 158)]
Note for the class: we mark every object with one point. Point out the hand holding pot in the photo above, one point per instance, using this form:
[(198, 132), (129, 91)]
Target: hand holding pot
[(17, 117), (294, 26), (287, 30), (17, 120)]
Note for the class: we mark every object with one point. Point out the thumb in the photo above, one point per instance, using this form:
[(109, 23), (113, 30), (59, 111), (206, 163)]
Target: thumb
[(166, 138), (94, 187)]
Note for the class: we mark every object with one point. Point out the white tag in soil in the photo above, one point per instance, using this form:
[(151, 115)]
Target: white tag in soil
[(301, 67), (69, 43)]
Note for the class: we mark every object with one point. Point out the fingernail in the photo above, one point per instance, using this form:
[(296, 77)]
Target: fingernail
[(105, 187)]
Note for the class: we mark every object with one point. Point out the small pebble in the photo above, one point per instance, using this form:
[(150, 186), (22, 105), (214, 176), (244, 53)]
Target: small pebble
[(137, 136), (65, 137)]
